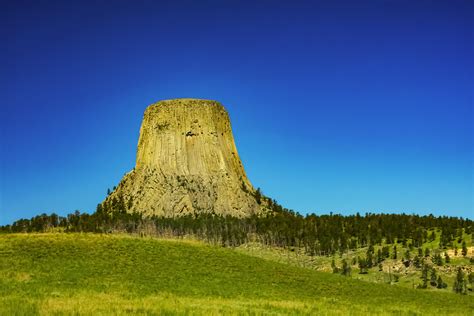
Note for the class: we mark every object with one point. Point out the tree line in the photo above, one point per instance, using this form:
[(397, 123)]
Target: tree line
[(316, 234)]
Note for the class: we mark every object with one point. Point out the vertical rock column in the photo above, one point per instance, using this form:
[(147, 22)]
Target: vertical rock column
[(187, 162)]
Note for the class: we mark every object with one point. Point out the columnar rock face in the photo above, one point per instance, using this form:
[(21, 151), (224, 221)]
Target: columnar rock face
[(186, 163)]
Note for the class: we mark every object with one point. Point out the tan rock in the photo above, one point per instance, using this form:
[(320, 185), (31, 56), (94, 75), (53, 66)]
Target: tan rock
[(187, 162)]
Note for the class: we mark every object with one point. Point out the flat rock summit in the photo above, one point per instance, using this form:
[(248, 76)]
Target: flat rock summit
[(187, 163)]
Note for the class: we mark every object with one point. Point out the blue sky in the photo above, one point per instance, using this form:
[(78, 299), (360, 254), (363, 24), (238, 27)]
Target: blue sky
[(339, 106)]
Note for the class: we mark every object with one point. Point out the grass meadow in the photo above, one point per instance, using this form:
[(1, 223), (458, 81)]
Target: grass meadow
[(91, 274)]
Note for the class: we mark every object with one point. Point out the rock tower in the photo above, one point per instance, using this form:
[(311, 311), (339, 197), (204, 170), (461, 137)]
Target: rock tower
[(186, 163)]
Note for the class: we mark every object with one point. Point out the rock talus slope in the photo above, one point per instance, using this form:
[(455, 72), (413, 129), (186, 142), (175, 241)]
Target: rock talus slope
[(187, 162)]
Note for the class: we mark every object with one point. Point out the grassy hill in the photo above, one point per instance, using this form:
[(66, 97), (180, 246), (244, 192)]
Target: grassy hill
[(115, 274), (384, 272)]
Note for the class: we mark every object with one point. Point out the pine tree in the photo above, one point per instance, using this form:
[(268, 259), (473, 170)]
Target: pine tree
[(362, 266), (346, 268), (464, 248), (370, 260), (417, 261), (459, 283), (433, 277), (470, 278), (437, 259), (424, 277), (407, 255), (446, 257), (440, 284), (258, 196), (379, 256)]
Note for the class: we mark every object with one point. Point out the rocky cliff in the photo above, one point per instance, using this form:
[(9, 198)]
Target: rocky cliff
[(187, 162)]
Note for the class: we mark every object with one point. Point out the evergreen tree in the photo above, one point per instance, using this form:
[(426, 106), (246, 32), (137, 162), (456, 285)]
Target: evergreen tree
[(379, 256), (258, 196), (446, 257), (433, 277), (432, 236), (346, 268), (362, 266), (369, 261), (464, 248), (470, 278), (417, 261), (424, 277), (460, 283), (437, 259), (440, 284)]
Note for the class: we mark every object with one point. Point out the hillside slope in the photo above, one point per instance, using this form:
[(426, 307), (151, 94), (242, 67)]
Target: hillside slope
[(112, 274)]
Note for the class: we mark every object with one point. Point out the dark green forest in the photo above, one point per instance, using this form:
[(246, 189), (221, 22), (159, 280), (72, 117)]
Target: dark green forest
[(316, 234)]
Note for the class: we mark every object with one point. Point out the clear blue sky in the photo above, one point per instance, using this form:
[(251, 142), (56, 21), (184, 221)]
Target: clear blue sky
[(339, 106)]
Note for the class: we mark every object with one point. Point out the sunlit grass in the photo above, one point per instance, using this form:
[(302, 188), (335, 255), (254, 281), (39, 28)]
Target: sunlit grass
[(109, 274)]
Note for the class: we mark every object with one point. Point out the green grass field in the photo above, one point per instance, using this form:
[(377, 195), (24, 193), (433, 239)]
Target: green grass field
[(56, 274)]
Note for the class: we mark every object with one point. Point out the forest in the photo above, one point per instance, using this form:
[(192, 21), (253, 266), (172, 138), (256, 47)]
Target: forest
[(321, 235)]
